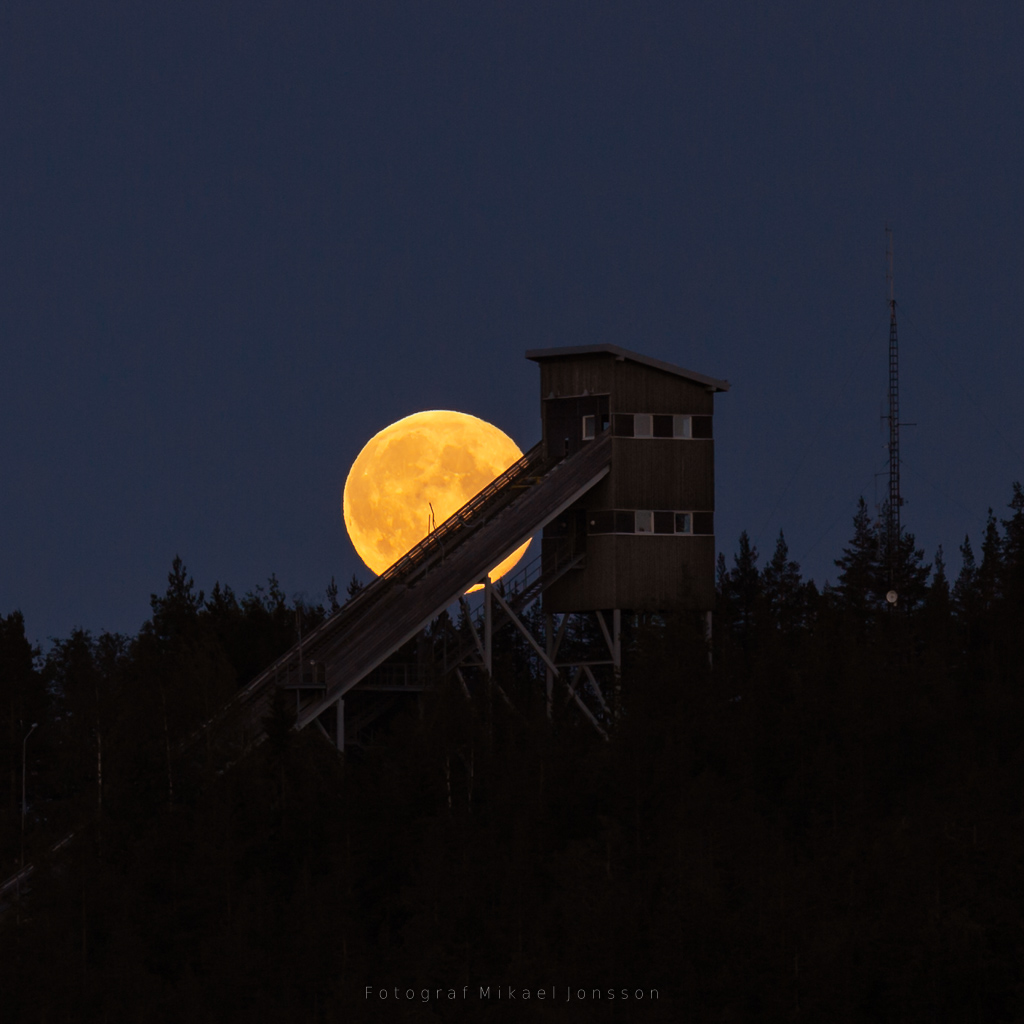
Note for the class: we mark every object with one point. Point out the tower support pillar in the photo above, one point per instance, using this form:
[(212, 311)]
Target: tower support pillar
[(549, 649), (488, 628)]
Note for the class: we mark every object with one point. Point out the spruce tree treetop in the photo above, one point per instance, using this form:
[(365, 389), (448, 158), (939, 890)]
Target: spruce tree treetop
[(782, 586), (176, 612), (990, 572), (1013, 549), (781, 576), (332, 597), (860, 568), (740, 588), (910, 572), (938, 591), (965, 590), (721, 573), (23, 692)]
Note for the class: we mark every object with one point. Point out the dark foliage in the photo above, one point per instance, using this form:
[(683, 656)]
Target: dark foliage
[(821, 824)]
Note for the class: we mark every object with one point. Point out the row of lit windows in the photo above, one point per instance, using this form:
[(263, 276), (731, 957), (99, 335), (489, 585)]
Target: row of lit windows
[(650, 521), (646, 424)]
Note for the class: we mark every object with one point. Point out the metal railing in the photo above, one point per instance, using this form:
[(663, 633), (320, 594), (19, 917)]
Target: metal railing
[(415, 558), (434, 540)]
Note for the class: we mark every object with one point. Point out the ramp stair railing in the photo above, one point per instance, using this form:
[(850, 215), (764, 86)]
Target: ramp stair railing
[(519, 589), (530, 469), (403, 612), (523, 590), (397, 604), (516, 504)]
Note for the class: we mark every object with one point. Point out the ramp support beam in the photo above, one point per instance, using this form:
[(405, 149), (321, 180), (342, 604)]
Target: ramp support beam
[(488, 628), (549, 648)]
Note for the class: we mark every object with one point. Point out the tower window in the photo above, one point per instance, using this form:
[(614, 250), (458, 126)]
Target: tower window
[(644, 522), (702, 426), (588, 428), (625, 522), (662, 425), (646, 424), (663, 522), (623, 424), (682, 426)]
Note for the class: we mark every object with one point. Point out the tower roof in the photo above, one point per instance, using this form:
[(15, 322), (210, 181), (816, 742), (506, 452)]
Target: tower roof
[(622, 354)]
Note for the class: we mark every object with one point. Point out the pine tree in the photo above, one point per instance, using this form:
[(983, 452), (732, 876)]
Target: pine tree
[(268, 624), (741, 593), (186, 673), (910, 574), (745, 578), (1012, 583), (965, 590), (938, 616), (23, 700), (991, 569), (723, 609), (332, 597), (355, 586), (84, 675), (74, 679), (938, 591), (176, 613), (782, 586), (860, 576)]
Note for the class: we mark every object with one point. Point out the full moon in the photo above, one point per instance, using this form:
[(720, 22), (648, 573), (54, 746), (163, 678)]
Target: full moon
[(413, 475)]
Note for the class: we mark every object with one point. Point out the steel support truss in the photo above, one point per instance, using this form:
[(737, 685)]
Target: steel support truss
[(578, 656), (590, 672)]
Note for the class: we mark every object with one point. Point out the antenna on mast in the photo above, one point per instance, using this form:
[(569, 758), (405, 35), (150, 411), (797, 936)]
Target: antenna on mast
[(892, 519)]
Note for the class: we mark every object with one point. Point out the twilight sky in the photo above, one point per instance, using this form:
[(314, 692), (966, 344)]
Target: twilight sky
[(237, 239)]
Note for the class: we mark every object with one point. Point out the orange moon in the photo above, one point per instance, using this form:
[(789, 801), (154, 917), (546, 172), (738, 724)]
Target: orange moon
[(436, 458)]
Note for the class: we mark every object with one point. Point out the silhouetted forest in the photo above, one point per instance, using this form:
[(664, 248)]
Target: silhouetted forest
[(824, 821)]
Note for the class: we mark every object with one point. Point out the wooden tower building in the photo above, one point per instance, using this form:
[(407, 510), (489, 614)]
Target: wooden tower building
[(621, 487), (648, 527)]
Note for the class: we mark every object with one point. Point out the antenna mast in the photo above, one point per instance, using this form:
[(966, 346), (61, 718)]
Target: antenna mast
[(895, 501)]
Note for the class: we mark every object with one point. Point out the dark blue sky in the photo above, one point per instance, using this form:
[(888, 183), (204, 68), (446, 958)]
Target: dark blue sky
[(237, 240)]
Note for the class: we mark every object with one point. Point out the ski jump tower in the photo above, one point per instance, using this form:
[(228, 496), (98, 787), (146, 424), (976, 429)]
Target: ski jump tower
[(648, 526), (621, 487)]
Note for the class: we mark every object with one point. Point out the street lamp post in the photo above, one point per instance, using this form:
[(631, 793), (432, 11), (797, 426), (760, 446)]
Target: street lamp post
[(24, 744)]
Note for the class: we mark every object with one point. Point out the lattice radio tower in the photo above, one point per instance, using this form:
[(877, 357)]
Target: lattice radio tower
[(892, 520)]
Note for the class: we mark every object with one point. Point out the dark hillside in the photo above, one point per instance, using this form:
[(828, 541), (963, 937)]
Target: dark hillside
[(824, 824)]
